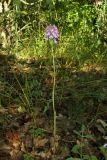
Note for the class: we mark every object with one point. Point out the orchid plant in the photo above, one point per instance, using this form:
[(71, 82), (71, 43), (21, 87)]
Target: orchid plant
[(52, 36)]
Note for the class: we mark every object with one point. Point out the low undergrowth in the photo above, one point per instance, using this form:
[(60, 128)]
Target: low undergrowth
[(26, 121)]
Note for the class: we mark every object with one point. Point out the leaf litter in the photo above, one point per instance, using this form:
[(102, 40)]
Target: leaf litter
[(29, 134)]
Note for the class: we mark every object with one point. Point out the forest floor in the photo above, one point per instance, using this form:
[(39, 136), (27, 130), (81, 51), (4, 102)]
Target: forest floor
[(26, 116)]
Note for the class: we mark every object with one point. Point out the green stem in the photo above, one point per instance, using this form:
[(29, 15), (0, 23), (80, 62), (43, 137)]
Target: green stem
[(53, 95)]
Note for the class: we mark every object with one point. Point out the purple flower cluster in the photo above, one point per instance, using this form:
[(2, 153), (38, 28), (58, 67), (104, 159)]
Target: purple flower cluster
[(51, 33)]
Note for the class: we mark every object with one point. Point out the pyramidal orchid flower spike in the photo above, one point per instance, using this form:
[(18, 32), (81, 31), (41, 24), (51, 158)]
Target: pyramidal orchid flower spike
[(52, 33), (52, 36)]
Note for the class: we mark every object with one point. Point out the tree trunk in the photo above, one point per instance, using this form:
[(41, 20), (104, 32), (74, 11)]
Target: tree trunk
[(5, 28)]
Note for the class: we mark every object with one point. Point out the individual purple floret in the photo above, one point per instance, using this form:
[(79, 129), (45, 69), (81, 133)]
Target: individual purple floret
[(51, 33)]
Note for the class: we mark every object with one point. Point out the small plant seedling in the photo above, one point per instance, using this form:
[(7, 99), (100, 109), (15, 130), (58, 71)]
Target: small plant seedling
[(36, 132), (27, 157)]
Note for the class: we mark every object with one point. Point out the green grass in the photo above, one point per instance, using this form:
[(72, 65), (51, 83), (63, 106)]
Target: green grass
[(77, 72), (80, 77)]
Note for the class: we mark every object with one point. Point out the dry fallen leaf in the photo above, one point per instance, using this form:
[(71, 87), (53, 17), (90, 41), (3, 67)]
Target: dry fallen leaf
[(13, 138), (43, 154), (40, 142), (16, 155), (27, 143), (3, 110)]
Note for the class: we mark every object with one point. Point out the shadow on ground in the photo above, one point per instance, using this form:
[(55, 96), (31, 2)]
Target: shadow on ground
[(25, 95)]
